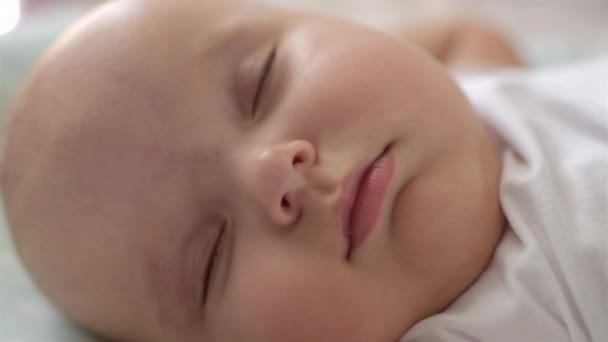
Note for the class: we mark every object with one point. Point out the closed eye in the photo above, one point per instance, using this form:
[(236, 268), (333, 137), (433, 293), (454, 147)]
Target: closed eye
[(213, 259), (266, 71)]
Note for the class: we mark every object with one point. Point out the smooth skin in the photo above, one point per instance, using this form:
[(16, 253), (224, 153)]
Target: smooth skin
[(463, 42), (134, 146)]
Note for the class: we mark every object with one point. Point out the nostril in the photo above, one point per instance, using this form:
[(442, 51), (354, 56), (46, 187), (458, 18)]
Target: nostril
[(302, 152), (298, 160), (285, 203), (290, 210)]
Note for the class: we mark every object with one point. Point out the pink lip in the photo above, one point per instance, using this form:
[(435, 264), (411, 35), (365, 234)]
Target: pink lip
[(362, 199)]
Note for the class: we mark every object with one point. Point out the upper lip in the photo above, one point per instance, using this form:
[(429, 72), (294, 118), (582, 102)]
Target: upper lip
[(348, 196)]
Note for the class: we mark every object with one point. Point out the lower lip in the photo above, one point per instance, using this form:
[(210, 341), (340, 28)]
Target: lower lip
[(370, 195)]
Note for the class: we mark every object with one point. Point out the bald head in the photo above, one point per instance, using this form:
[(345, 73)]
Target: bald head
[(92, 117), (176, 170)]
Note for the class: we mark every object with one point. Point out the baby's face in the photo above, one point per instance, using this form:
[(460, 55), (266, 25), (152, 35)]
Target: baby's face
[(194, 180)]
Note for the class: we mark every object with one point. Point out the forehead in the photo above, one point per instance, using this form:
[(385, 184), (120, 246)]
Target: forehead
[(194, 26), (159, 55), (143, 82), (148, 70), (143, 75)]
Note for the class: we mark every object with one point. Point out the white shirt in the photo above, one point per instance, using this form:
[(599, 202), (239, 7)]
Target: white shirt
[(548, 280)]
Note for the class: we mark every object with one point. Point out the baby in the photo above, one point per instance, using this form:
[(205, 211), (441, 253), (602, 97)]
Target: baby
[(225, 171)]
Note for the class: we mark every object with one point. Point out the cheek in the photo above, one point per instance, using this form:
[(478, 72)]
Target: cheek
[(438, 233), (277, 301), (371, 83)]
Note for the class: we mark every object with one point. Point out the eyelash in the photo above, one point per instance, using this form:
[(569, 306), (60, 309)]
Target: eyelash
[(212, 261), (266, 70)]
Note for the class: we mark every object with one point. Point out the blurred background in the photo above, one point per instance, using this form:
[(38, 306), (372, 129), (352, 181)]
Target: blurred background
[(546, 32)]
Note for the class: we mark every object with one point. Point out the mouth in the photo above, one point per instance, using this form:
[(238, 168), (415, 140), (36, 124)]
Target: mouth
[(362, 199)]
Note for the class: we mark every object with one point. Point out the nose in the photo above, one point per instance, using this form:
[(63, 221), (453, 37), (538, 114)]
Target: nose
[(275, 176)]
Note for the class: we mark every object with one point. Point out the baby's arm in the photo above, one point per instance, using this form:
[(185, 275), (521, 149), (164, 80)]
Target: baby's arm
[(463, 41)]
